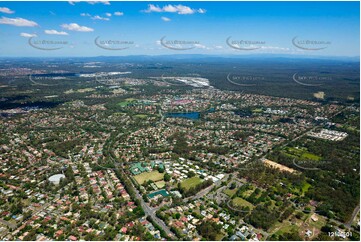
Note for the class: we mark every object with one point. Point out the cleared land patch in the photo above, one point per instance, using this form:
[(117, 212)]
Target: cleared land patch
[(275, 165)]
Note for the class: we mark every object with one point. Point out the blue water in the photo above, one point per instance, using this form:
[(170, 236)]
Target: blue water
[(191, 115), (163, 192)]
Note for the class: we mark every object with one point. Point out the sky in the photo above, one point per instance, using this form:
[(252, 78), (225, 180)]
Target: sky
[(101, 28)]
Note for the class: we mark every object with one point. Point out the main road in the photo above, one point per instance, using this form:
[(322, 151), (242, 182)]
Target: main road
[(151, 212)]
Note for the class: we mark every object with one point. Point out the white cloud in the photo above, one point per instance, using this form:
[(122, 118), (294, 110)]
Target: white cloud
[(90, 2), (170, 9), (21, 22), (184, 10), (200, 46), (97, 17), (6, 10), (153, 8), (180, 9), (274, 48), (118, 13), (26, 35), (76, 27), (165, 19), (95, 2), (55, 32)]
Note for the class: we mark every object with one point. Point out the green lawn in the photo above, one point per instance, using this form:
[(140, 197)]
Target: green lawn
[(301, 153), (310, 156), (153, 175), (242, 203), (141, 116), (285, 227), (126, 102), (305, 187), (160, 184), (319, 223), (257, 110), (219, 237), (248, 192), (230, 192), (191, 182)]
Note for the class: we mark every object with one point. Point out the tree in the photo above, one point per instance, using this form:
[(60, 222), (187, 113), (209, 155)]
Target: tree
[(191, 174), (160, 169), (167, 177)]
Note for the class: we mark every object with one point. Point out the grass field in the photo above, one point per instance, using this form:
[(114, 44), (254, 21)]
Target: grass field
[(305, 187), (191, 182), (126, 102), (153, 175), (219, 237), (257, 110), (317, 224), (160, 184), (310, 156), (248, 192), (302, 153), (230, 192), (285, 227), (141, 116), (242, 203)]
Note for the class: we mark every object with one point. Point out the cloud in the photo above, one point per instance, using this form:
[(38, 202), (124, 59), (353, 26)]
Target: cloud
[(76, 27), (153, 8), (274, 48), (180, 9), (21, 22), (97, 17), (26, 35), (6, 10), (170, 9), (55, 32), (200, 46), (90, 2), (118, 13), (165, 19)]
